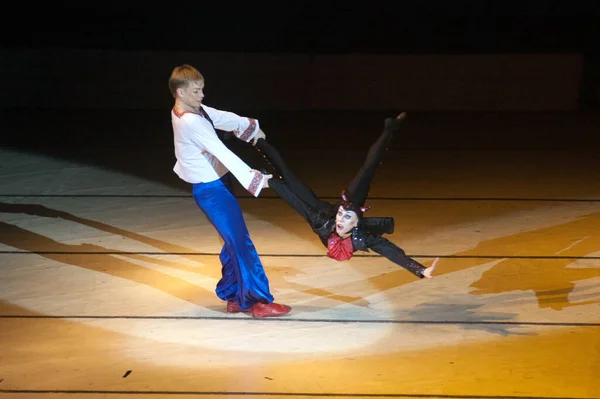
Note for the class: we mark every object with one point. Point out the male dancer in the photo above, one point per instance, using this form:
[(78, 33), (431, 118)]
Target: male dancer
[(205, 162)]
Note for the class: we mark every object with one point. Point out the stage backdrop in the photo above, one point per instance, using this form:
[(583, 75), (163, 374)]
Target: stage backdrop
[(137, 80)]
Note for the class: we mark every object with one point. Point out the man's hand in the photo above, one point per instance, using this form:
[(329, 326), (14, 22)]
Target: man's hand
[(259, 135), (429, 271), (266, 180)]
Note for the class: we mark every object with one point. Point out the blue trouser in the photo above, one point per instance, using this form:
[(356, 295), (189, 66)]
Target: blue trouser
[(243, 276)]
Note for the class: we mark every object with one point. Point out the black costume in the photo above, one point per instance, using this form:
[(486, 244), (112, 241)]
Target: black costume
[(321, 215)]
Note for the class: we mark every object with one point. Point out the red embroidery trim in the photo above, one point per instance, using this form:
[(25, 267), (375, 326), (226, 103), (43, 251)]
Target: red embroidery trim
[(256, 182), (180, 114), (248, 132)]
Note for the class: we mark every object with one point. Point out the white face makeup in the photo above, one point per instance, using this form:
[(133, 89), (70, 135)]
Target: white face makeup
[(345, 221)]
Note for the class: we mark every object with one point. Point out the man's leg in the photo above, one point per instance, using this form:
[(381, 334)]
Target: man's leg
[(227, 277), (228, 282), (243, 276)]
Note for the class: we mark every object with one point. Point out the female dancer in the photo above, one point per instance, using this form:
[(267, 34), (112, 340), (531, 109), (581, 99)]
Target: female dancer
[(341, 226)]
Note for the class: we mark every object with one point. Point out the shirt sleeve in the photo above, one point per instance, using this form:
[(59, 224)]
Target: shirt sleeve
[(242, 127), (395, 254), (208, 141)]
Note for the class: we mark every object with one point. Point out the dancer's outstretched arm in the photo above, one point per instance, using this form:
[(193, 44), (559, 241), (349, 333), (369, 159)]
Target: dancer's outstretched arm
[(394, 253)]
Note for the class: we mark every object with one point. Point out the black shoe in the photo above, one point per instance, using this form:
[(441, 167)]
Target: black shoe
[(392, 125)]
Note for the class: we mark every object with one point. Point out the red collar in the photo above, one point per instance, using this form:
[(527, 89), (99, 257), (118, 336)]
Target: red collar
[(339, 248)]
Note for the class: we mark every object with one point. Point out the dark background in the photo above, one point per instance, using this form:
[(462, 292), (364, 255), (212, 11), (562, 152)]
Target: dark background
[(417, 27), (472, 74)]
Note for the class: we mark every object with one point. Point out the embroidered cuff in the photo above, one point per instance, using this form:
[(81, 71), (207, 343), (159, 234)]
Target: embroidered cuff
[(246, 135), (256, 184)]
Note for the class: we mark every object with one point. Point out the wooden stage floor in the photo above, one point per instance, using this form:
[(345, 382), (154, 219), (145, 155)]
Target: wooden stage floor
[(108, 271)]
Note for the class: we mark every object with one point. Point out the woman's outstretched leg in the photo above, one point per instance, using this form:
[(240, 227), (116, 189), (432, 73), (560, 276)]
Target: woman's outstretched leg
[(294, 185), (358, 190)]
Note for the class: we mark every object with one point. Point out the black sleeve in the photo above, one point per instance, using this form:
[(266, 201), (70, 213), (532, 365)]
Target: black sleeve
[(395, 254)]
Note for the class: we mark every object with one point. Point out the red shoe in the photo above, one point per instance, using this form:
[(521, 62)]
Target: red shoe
[(270, 309), (234, 307)]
